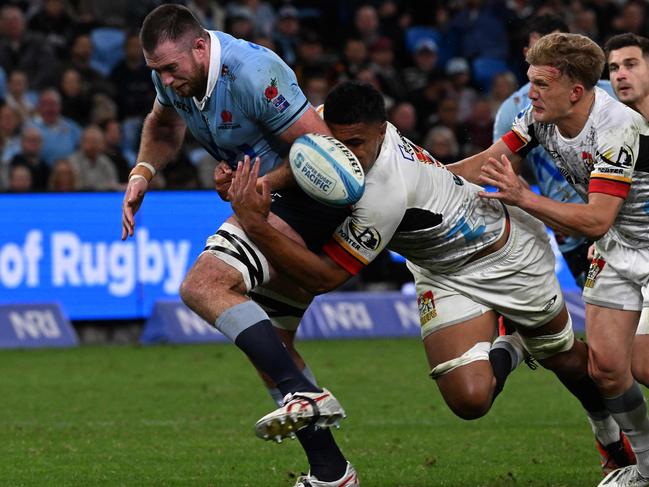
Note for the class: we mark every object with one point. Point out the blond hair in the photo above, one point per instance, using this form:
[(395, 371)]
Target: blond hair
[(574, 55)]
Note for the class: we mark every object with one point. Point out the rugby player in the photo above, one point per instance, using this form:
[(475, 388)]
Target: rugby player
[(239, 98), (628, 66), (471, 258), (599, 145)]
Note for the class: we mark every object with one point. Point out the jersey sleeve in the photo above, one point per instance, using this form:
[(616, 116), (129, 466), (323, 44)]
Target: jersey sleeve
[(161, 94), (504, 118), (614, 161), (521, 138), (364, 234), (269, 94)]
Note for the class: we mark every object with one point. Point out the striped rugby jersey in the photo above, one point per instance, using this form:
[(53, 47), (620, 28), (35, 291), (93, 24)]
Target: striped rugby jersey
[(610, 155)]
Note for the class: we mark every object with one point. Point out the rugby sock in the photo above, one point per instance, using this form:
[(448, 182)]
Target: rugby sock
[(276, 394), (630, 411), (249, 327), (504, 357), (604, 427), (326, 461)]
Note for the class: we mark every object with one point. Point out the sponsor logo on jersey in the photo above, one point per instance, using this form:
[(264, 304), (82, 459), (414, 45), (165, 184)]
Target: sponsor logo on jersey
[(226, 118), (595, 269), (181, 106), (624, 157), (426, 305), (368, 237)]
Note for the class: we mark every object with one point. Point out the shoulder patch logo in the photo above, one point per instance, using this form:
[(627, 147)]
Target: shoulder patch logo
[(271, 90), (368, 237)]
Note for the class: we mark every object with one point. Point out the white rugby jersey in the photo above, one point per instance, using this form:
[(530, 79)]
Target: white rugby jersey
[(413, 205), (610, 155)]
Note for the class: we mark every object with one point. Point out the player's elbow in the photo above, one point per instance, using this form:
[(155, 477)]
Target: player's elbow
[(596, 229)]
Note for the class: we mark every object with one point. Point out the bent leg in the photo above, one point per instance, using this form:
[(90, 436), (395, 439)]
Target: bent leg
[(465, 380)]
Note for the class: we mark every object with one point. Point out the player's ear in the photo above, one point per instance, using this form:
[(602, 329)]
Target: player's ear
[(383, 128), (577, 92)]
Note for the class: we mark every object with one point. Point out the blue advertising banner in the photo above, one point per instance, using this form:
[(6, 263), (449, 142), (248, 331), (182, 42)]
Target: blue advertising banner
[(35, 325), (67, 248)]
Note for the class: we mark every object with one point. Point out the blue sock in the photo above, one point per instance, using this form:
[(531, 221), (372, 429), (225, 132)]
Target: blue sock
[(249, 327)]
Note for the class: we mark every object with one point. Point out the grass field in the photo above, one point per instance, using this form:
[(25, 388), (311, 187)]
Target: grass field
[(167, 415)]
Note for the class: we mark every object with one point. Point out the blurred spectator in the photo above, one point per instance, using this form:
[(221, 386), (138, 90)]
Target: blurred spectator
[(63, 177), (96, 171), (366, 24), (20, 179), (287, 30), (101, 12), (17, 97), (479, 29), (585, 22), (103, 109), (57, 26), (209, 13), (132, 80), (75, 103), (448, 116), (80, 55), (354, 59), (425, 59), (316, 86), (632, 18), (440, 141), (459, 73), (31, 144), (60, 134), (263, 15), (480, 127), (114, 149), (426, 101), (27, 51), (239, 23), (382, 56), (311, 59), (368, 75), (9, 133), (404, 117), (180, 173), (502, 86)]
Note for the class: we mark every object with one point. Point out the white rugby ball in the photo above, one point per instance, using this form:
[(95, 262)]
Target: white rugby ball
[(327, 170)]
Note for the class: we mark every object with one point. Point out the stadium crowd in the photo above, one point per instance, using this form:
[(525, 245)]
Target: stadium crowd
[(75, 89)]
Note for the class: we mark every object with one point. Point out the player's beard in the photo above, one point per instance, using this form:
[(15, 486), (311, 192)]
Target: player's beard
[(197, 85)]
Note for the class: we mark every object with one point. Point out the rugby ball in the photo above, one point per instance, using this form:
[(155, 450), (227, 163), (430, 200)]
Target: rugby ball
[(327, 170)]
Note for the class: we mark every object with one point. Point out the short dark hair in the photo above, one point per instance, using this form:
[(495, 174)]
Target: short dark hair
[(546, 24), (353, 102), (626, 40), (169, 23)]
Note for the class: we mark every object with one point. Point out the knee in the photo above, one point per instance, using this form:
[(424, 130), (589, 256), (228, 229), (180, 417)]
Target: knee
[(606, 371), (470, 400)]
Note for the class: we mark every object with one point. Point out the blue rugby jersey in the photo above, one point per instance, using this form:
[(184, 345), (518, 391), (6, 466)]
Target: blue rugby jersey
[(252, 96)]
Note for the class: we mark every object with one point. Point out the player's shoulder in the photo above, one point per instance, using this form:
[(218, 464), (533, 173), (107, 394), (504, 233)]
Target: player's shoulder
[(247, 62), (612, 114)]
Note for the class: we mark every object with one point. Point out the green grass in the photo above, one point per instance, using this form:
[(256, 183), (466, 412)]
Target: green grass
[(167, 415)]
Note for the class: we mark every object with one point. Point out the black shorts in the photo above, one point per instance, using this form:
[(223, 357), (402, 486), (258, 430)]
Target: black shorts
[(312, 220)]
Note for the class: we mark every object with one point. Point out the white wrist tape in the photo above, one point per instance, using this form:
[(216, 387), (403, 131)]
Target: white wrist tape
[(148, 166), (133, 176)]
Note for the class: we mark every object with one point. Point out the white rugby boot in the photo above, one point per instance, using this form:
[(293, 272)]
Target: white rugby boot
[(349, 479), (624, 477), (300, 409)]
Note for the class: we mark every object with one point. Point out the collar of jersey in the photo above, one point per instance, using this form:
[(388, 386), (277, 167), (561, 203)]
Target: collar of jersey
[(213, 70)]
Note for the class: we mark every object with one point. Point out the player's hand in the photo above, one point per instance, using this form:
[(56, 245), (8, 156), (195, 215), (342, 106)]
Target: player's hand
[(248, 203), (133, 197), (591, 252), (222, 179), (501, 175)]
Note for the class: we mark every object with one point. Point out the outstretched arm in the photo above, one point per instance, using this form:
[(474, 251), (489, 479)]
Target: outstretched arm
[(162, 136), (592, 219), (470, 167)]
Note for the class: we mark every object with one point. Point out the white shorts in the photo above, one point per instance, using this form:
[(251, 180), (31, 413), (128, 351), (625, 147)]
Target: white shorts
[(618, 277), (518, 281)]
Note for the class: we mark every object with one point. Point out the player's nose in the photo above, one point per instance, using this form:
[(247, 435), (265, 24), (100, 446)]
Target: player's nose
[(167, 79)]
